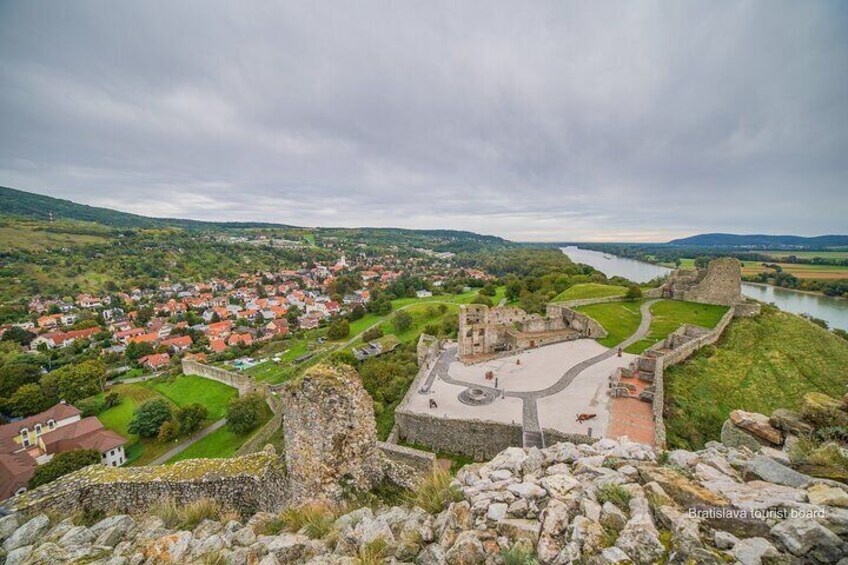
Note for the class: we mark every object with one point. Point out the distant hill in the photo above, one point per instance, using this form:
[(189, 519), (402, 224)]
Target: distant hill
[(22, 204), (759, 241)]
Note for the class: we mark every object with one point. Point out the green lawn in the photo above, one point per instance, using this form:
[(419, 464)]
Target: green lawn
[(220, 444), (590, 290), (620, 319), (668, 315), (760, 364), (192, 389)]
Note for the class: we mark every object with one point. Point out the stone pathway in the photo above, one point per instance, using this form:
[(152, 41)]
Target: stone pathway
[(530, 413), (162, 459)]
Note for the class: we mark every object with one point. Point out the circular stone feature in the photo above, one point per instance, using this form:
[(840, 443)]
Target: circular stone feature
[(477, 396)]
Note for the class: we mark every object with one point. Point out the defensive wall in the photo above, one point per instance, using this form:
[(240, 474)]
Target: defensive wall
[(252, 483), (243, 383)]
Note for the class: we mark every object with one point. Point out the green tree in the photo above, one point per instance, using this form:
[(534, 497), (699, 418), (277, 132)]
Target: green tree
[(62, 464), (149, 417), (29, 399), (75, 382), (402, 321), (339, 329), (15, 375), (136, 351), (18, 335), (702, 262), (244, 413), (513, 289), (191, 417)]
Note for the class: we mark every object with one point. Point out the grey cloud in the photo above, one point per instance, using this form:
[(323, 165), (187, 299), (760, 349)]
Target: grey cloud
[(545, 121)]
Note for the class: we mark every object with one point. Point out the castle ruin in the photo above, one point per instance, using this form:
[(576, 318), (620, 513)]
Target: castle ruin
[(720, 283), (484, 330)]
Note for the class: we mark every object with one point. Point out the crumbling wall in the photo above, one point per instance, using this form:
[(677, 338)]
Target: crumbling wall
[(330, 434), (252, 483), (243, 383), (719, 283)]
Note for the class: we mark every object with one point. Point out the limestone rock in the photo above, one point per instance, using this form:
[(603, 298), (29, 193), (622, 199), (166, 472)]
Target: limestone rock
[(756, 424), (19, 555), (752, 550), (527, 490), (517, 529), (790, 422), (731, 436), (682, 490), (290, 548), (28, 533), (825, 495), (822, 411), (467, 550), (559, 485), (77, 535), (8, 525), (612, 518), (803, 537), (760, 467), (172, 548)]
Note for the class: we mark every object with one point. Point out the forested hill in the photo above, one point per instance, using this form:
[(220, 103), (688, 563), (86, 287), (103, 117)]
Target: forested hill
[(759, 241), (21, 204)]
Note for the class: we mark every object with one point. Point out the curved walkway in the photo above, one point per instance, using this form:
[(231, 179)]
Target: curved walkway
[(530, 410), (165, 457)]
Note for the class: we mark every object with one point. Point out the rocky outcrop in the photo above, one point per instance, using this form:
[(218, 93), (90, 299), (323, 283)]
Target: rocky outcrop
[(609, 502)]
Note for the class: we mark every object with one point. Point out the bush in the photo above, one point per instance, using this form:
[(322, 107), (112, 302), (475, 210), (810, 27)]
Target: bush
[(62, 464), (633, 292), (402, 321), (616, 494), (339, 329), (168, 431), (316, 519), (372, 333), (149, 417), (185, 516), (90, 406), (243, 413)]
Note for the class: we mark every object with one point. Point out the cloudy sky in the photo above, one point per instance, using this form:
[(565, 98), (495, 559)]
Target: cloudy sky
[(551, 121)]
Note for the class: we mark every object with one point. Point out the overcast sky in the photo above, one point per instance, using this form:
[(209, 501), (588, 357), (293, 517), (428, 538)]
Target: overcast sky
[(556, 121)]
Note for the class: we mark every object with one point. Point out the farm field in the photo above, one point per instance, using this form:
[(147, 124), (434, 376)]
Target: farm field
[(22, 235), (802, 271), (781, 253), (179, 392), (590, 290), (760, 364)]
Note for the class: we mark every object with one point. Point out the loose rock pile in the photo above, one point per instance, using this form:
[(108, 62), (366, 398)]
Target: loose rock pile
[(611, 502)]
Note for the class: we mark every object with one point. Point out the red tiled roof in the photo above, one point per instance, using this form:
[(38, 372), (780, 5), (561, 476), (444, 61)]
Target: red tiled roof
[(87, 433)]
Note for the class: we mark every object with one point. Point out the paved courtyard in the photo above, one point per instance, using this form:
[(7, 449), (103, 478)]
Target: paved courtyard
[(542, 388)]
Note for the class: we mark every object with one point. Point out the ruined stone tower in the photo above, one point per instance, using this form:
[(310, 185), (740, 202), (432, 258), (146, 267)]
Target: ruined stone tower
[(330, 433)]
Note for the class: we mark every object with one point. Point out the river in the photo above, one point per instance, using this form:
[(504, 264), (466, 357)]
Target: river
[(833, 310)]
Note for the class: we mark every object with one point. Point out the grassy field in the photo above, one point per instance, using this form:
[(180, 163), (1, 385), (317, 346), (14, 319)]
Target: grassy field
[(219, 444), (820, 272), (184, 390), (590, 290), (668, 315), (620, 319), (780, 254), (760, 364), (177, 392)]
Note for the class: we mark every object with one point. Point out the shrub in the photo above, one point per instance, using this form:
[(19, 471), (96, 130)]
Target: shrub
[(373, 553), (402, 321), (518, 554), (435, 492), (168, 431), (339, 329), (62, 464), (243, 413), (90, 406), (633, 292), (616, 494), (149, 417), (372, 333)]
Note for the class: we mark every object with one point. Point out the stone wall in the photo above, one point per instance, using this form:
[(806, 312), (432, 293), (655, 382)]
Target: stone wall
[(252, 483), (673, 357), (330, 434), (479, 439), (422, 462), (427, 348), (242, 383), (484, 330)]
